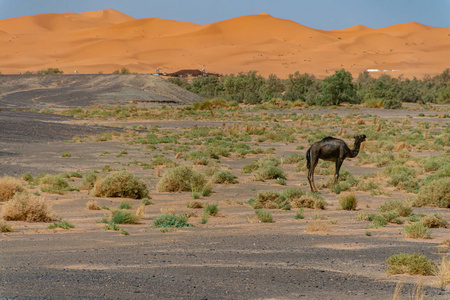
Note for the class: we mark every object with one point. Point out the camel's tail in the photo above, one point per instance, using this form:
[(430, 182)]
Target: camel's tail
[(308, 158)]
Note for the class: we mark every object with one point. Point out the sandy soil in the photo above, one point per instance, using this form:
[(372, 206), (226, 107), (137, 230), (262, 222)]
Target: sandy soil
[(227, 258), (105, 41)]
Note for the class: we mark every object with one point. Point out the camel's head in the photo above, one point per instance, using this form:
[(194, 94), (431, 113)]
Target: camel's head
[(360, 138)]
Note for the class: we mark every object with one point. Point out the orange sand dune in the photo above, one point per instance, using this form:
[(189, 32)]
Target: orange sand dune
[(103, 41)]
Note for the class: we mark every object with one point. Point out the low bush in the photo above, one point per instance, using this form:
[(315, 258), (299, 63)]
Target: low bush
[(299, 214), (170, 221), (120, 184), (434, 193), (348, 201), (270, 200), (434, 221), (413, 264), (224, 176), (27, 207), (181, 179), (146, 201), (401, 208), (417, 231), (55, 184), (89, 180), (317, 225), (9, 186)]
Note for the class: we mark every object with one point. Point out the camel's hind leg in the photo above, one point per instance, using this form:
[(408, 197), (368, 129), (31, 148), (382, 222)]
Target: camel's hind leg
[(314, 162)]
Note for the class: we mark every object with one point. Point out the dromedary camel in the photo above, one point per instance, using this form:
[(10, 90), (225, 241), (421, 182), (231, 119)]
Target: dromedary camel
[(330, 149)]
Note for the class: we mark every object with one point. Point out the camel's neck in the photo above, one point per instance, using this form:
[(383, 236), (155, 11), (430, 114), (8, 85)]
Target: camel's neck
[(355, 149)]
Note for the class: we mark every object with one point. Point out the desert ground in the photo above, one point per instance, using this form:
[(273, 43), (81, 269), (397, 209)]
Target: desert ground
[(108, 40), (232, 255)]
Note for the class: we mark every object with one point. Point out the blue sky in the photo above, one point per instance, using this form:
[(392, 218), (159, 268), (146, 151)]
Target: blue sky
[(320, 14)]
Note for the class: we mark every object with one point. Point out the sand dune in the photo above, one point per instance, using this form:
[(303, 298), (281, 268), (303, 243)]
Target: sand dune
[(103, 41)]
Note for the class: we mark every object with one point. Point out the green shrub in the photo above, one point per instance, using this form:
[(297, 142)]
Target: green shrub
[(181, 178), (379, 221), (270, 171), (211, 209), (402, 209), (392, 103), (434, 193), (111, 226), (61, 224), (171, 221), (66, 154), (224, 176), (348, 201), (264, 216), (417, 231), (413, 264), (299, 214), (120, 184), (146, 201)]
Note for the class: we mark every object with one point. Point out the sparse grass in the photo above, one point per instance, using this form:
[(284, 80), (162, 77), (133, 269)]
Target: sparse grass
[(61, 224), (348, 201), (125, 205), (170, 221), (66, 154), (181, 179), (92, 205), (417, 231), (9, 186), (111, 226), (120, 184), (5, 226), (89, 180), (413, 264), (318, 225), (27, 207)]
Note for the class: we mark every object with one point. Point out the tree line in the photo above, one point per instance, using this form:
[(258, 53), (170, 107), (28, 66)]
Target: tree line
[(384, 91)]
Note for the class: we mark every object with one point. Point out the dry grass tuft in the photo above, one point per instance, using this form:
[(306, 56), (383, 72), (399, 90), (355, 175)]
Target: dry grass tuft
[(443, 273), (317, 225), (348, 201), (8, 187), (140, 212), (92, 205), (194, 204), (27, 207), (5, 227)]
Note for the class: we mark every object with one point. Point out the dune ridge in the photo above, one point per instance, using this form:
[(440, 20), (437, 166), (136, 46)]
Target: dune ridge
[(107, 40)]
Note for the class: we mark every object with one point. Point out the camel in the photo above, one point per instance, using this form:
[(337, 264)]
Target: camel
[(330, 149)]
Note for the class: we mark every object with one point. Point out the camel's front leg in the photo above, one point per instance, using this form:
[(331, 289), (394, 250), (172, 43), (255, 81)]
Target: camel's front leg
[(339, 162)]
